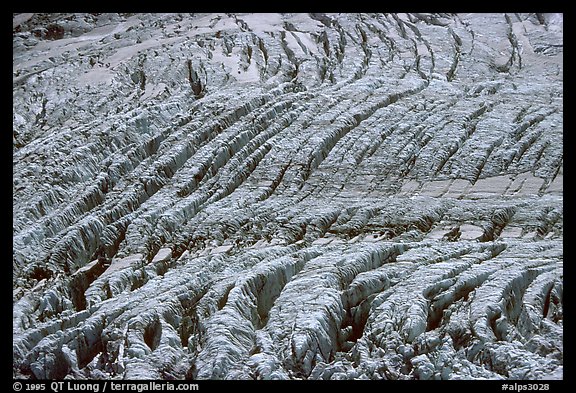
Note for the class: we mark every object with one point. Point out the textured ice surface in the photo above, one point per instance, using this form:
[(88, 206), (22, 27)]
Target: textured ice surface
[(288, 196)]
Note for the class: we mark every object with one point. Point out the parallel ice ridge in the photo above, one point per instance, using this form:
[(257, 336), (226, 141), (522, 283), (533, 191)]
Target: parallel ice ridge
[(288, 196)]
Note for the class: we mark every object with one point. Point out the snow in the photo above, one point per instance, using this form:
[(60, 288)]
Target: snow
[(308, 216), (21, 18)]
